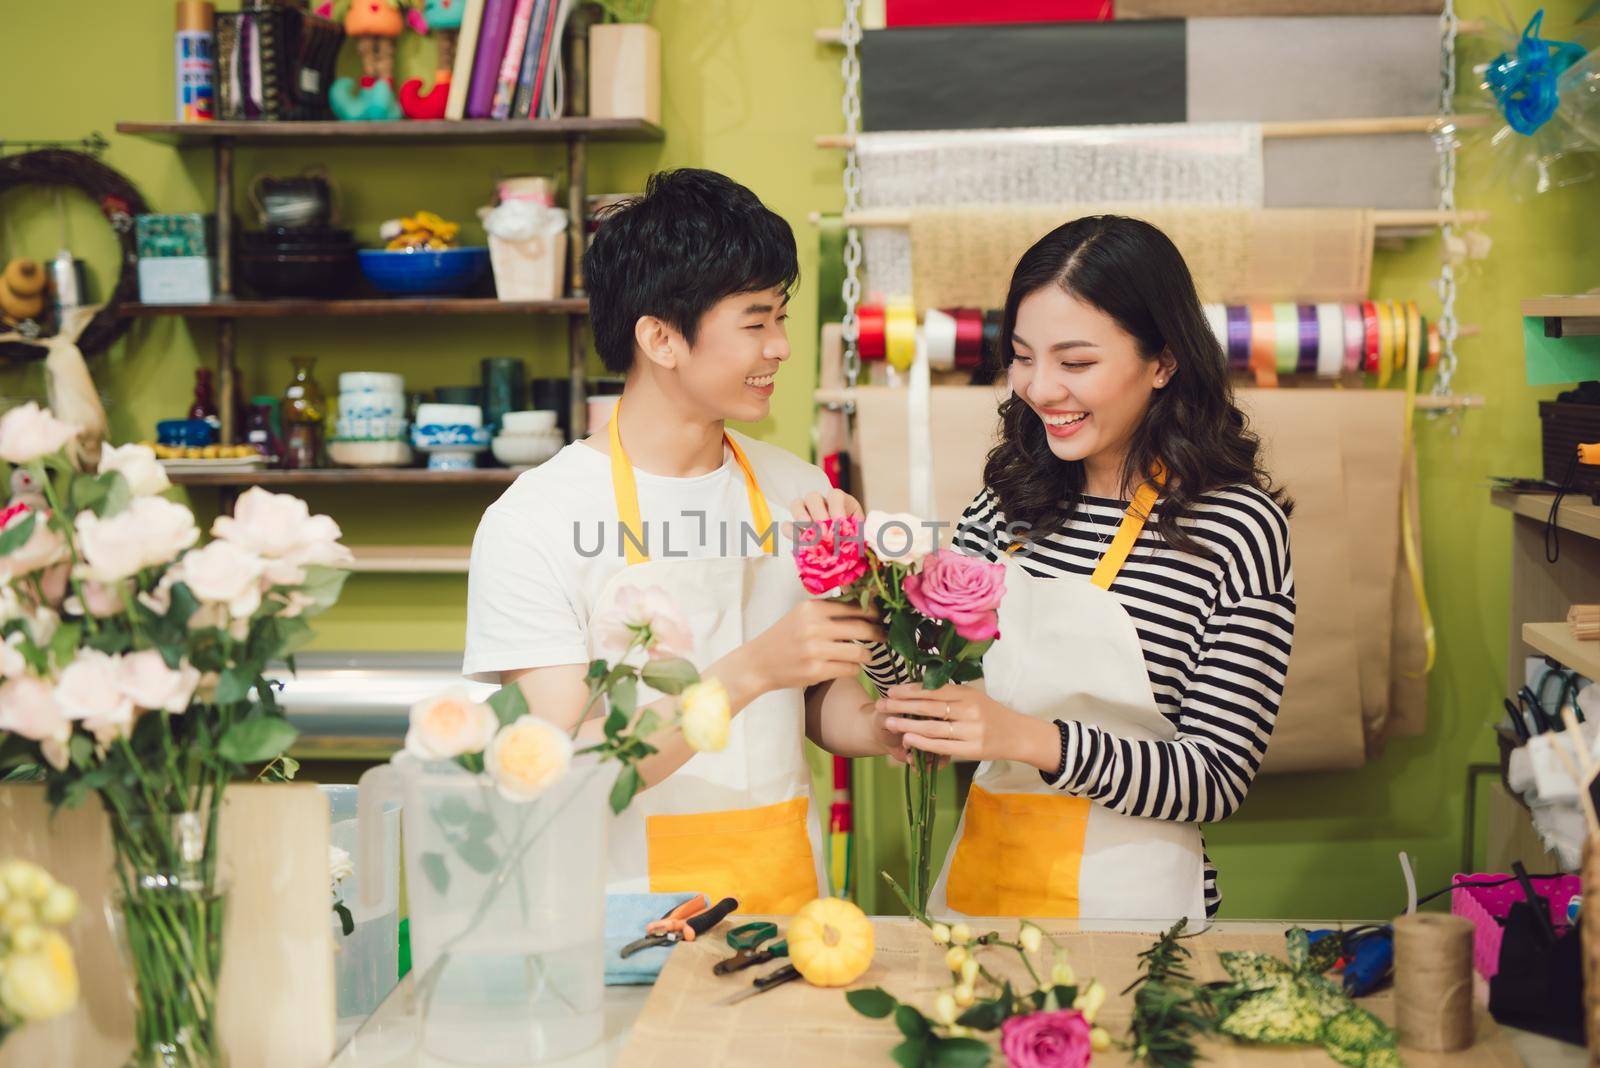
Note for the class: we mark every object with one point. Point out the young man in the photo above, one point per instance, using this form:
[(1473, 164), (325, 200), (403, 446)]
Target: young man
[(688, 292)]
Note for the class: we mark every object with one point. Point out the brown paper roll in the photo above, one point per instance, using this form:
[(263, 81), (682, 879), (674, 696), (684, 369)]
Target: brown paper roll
[(1590, 946), (1433, 981), (196, 15)]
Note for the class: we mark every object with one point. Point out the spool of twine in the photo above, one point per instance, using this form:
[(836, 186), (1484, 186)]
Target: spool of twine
[(1433, 981), (1589, 932)]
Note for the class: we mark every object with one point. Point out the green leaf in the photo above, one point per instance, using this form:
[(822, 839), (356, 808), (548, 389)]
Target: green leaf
[(1358, 1031), (616, 723), (509, 704), (479, 856), (1299, 947), (323, 585), (670, 675), (986, 1015), (438, 875), (453, 810), (15, 537), (624, 695), (974, 650), (86, 492), (624, 788), (912, 1053), (875, 1001), (937, 676), (1277, 1015), (64, 643), (256, 739), (347, 922), (961, 1053), (597, 670), (912, 1023), (648, 724), (903, 635), (292, 636), (117, 497), (235, 684)]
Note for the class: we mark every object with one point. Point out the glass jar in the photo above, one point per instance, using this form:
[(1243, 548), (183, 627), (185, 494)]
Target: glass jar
[(304, 410)]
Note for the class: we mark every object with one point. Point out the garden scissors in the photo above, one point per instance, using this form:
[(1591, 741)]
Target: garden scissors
[(682, 924), (747, 939), (787, 973)]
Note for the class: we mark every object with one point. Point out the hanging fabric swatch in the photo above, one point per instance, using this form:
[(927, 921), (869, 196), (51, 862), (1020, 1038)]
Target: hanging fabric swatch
[(964, 256), (964, 12), (1377, 171), (1217, 164), (1069, 74)]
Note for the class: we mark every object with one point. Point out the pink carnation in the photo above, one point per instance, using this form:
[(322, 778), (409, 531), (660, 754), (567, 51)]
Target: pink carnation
[(1046, 1040), (960, 589), (830, 555)]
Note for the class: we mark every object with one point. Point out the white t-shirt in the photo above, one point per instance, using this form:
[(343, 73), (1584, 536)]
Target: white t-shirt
[(545, 550)]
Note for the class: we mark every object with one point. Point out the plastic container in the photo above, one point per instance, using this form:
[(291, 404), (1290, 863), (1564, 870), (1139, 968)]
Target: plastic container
[(367, 962), (507, 908), (1487, 908)]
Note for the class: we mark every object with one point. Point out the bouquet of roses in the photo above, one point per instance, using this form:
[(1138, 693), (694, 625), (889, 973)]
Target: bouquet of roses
[(134, 666), (942, 612)]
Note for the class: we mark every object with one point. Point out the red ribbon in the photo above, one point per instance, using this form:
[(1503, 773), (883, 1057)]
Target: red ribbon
[(969, 337), (871, 334)]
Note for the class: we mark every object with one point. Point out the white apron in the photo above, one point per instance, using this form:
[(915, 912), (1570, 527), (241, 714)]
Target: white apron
[(1067, 650), (739, 822)]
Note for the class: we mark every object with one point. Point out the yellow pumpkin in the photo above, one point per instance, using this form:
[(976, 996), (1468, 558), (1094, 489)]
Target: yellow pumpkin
[(831, 942)]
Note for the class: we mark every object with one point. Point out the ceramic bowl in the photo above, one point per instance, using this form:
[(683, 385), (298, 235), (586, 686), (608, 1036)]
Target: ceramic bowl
[(442, 435), (449, 415), (369, 453), (372, 405), (359, 428), (371, 382), (186, 432), (424, 272), (522, 450), (531, 422)]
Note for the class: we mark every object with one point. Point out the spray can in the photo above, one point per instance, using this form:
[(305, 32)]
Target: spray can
[(195, 60)]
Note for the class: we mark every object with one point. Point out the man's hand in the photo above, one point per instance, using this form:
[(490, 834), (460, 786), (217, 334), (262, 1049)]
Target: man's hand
[(815, 642)]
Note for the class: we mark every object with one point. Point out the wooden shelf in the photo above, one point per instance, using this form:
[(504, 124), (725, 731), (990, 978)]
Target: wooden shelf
[(352, 476), (1566, 316), (1576, 515), (366, 133), (1555, 640), (374, 306), (411, 559)]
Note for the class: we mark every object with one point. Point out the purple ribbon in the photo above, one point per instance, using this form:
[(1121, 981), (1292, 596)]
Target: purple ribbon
[(1308, 339), (1238, 337)]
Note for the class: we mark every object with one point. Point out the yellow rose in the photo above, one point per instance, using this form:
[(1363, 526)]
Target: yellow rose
[(40, 984), (705, 712), (527, 757)]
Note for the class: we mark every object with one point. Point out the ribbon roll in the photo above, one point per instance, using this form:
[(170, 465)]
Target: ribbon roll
[(991, 338), (1371, 340), (969, 338), (1217, 319), (1355, 338), (1307, 363), (900, 334), (1330, 340), (1286, 337), (939, 336), (1415, 337), (1434, 346), (870, 331), (1263, 344), (1386, 346), (1238, 338)]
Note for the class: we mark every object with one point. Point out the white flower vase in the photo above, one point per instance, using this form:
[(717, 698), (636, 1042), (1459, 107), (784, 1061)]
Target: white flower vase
[(527, 249), (507, 906)]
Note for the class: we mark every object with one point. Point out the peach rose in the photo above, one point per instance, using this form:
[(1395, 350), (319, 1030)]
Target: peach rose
[(527, 757), (449, 726)]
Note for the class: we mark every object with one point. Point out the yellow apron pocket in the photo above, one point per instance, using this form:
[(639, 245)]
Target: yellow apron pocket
[(1019, 855), (761, 856)]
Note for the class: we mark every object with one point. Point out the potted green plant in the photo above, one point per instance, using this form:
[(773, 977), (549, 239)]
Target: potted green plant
[(625, 62)]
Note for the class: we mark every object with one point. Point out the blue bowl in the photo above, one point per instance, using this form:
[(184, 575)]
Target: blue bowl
[(189, 433), (424, 272)]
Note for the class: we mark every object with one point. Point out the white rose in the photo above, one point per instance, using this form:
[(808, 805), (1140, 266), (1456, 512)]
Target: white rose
[(29, 432), (222, 573), (166, 528), (637, 608), (148, 533), (339, 866), (279, 528), (138, 466), (12, 662), (148, 682), (44, 548), (90, 690), (527, 757), (705, 714), (898, 537), (28, 707), (449, 725)]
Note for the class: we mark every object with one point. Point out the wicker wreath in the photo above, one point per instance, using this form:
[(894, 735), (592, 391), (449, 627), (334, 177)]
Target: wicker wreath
[(118, 201)]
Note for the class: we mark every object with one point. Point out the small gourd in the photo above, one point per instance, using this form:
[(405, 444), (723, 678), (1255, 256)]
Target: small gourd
[(831, 942)]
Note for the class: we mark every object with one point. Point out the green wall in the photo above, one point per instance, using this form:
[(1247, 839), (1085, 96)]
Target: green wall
[(745, 89)]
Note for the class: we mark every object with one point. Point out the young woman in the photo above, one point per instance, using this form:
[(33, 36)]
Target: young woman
[(1149, 605)]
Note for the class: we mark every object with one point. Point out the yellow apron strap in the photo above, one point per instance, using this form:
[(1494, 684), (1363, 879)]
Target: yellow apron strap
[(1133, 520), (626, 489)]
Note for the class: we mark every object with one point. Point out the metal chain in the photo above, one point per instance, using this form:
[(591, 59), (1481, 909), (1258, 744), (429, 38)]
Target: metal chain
[(850, 68), (1446, 143)]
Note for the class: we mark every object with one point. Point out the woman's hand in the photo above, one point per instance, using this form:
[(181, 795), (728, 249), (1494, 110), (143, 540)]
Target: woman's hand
[(964, 723)]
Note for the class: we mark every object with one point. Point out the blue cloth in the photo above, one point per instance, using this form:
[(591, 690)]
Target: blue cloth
[(626, 917)]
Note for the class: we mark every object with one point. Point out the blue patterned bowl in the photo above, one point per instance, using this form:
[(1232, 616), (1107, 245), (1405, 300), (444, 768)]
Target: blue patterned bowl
[(424, 272)]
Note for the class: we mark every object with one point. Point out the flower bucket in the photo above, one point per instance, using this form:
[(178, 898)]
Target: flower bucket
[(507, 906), (625, 71), (366, 961)]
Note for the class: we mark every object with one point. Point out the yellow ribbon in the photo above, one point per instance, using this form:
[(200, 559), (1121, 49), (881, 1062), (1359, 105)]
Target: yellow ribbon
[(1408, 532), (900, 334)]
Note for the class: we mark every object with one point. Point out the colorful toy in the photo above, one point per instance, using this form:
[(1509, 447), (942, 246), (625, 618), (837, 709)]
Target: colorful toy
[(424, 230), (375, 24), (445, 17), (22, 291)]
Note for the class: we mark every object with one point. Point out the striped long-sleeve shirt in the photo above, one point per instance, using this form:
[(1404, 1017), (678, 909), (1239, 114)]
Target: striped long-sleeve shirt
[(1216, 635)]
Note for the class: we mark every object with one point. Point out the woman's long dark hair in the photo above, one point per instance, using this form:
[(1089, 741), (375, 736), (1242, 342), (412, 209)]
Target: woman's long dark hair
[(1133, 272)]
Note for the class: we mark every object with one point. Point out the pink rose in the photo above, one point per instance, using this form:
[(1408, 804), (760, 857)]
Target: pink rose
[(279, 528), (90, 689), (829, 555), (28, 707), (44, 548), (148, 682), (637, 608), (1046, 1040), (960, 589)]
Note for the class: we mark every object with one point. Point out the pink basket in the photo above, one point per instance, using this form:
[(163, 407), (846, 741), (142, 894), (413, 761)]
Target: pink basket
[(1487, 908)]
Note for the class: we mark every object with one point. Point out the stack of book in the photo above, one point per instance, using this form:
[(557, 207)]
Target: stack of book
[(508, 61)]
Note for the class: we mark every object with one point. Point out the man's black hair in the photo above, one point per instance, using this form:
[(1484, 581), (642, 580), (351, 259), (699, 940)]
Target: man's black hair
[(693, 238)]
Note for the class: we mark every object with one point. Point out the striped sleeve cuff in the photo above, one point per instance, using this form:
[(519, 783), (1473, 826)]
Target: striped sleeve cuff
[(1071, 747), (886, 668)]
